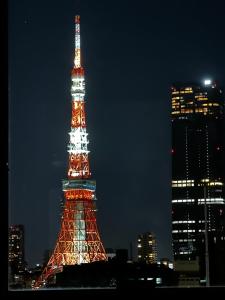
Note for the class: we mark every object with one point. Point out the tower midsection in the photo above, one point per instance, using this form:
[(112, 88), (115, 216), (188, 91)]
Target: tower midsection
[(78, 144)]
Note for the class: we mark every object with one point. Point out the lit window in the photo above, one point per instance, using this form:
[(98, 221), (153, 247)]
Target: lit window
[(158, 280)]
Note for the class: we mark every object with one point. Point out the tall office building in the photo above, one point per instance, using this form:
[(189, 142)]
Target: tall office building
[(16, 248), (147, 248), (198, 173)]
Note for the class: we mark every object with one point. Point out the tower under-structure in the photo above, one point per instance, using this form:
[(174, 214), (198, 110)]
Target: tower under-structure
[(78, 240)]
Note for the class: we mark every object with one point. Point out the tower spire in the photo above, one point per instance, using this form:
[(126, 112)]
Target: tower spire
[(77, 58), (77, 148)]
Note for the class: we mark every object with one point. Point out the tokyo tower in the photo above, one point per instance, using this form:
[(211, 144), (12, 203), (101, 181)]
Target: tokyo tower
[(78, 240)]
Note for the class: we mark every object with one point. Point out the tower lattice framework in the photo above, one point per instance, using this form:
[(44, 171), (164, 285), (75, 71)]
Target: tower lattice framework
[(78, 240)]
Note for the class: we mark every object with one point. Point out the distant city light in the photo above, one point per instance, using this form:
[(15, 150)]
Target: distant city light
[(207, 81)]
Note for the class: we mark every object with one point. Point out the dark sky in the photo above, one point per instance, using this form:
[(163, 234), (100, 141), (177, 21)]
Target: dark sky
[(132, 52)]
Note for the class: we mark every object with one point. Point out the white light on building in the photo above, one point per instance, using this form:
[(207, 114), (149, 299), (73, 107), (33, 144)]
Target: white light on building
[(207, 81)]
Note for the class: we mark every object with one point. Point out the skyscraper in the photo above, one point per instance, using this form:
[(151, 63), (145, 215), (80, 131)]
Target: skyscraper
[(16, 249), (147, 248), (198, 196)]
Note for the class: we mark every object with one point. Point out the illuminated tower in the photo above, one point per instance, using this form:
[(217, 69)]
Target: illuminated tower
[(78, 240)]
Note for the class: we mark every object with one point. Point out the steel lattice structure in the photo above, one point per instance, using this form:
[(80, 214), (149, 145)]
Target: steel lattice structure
[(78, 240)]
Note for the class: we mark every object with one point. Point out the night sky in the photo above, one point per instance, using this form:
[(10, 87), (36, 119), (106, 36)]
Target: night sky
[(132, 53)]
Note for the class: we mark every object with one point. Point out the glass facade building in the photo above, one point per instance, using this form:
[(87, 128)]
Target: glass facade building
[(198, 169)]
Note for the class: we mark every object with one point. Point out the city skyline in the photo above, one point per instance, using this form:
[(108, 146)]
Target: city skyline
[(129, 128)]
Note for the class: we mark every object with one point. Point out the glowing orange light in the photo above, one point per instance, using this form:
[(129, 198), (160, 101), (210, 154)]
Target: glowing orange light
[(79, 194)]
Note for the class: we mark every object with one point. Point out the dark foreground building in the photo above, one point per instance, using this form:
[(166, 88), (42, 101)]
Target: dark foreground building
[(198, 173), (115, 274)]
